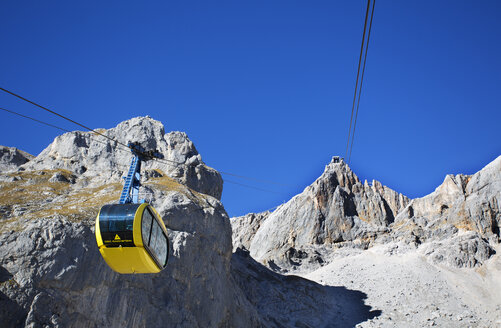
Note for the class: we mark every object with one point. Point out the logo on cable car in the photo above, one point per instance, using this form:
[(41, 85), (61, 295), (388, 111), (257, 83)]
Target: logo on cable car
[(120, 239)]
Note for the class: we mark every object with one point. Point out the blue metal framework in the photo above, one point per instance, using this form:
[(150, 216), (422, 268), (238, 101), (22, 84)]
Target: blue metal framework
[(130, 191)]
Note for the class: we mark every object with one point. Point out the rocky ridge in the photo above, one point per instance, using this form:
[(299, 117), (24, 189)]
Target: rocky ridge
[(338, 211), (51, 271), (91, 155), (367, 256), (52, 275), (431, 261), (11, 158), (461, 202)]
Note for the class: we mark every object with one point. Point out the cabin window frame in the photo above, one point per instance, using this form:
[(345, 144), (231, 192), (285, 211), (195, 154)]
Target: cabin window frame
[(146, 243), (113, 216)]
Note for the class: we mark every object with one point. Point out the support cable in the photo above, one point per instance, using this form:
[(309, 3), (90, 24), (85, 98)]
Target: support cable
[(257, 180), (62, 116), (34, 119), (361, 80), (127, 149), (251, 187), (358, 72), (55, 126)]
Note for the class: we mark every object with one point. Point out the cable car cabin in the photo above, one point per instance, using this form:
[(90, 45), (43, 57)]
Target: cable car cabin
[(132, 238)]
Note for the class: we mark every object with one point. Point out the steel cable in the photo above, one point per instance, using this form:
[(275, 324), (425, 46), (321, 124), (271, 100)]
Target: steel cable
[(361, 80), (62, 116), (358, 73), (126, 148)]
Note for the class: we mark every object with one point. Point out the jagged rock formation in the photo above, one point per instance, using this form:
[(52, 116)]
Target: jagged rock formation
[(466, 249), (12, 158), (369, 244), (336, 208), (91, 155), (51, 273), (461, 218), (432, 261), (54, 275), (337, 211), (245, 227), (470, 203)]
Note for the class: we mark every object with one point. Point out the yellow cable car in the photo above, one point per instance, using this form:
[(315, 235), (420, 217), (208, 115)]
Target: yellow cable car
[(132, 238)]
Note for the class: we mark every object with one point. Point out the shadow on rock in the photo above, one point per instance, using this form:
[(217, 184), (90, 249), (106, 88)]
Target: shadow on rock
[(11, 313), (4, 275), (292, 301)]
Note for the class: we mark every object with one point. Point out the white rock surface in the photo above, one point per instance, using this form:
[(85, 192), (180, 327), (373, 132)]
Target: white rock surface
[(11, 158), (466, 202), (245, 227), (51, 272), (91, 155), (435, 263), (367, 256), (409, 291), (337, 208), (338, 211), (292, 301)]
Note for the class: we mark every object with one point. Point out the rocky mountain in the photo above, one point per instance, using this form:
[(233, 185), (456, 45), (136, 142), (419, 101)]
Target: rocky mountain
[(339, 211), (51, 272), (336, 209), (52, 275), (94, 156), (12, 158), (464, 202), (424, 262), (460, 218), (362, 254)]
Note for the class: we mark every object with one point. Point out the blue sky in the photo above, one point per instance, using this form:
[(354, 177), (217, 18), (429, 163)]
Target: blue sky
[(264, 88)]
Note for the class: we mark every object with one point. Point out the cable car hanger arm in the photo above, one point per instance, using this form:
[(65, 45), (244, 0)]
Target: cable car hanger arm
[(130, 191)]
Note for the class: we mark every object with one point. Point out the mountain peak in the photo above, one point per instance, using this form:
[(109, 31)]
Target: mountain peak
[(335, 208), (11, 158), (103, 154)]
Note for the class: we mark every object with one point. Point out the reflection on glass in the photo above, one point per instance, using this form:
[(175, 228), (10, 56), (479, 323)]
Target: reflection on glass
[(115, 218), (160, 247), (146, 226), (154, 238)]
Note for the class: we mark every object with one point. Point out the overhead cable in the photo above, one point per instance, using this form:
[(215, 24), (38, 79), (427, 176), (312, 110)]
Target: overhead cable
[(257, 180), (361, 80), (34, 119), (62, 116), (252, 187), (53, 126), (164, 160), (358, 72)]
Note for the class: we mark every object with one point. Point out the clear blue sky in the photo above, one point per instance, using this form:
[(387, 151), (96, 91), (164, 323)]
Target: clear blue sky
[(264, 88)]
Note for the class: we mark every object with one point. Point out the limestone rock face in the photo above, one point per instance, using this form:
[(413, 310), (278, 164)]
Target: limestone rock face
[(463, 250), (245, 227), (336, 208), (456, 225), (52, 273), (461, 204), (12, 158), (90, 155), (469, 203)]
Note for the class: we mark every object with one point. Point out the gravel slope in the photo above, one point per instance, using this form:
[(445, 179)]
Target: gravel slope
[(411, 292)]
